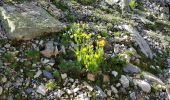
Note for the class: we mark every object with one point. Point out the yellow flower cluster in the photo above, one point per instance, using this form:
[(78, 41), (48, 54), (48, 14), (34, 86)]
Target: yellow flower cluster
[(101, 43)]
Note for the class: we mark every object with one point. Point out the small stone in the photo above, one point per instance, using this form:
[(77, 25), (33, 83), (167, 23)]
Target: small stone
[(124, 81), (114, 73), (91, 77), (130, 68), (109, 92), (168, 61), (47, 74), (88, 86), (10, 97), (64, 76), (1, 90), (76, 89), (114, 89), (146, 87), (71, 80), (59, 93), (133, 96), (99, 93), (29, 90), (118, 85), (4, 79), (41, 89), (39, 72), (69, 91), (106, 78)]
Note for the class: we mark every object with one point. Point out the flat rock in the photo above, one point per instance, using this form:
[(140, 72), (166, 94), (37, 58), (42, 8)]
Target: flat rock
[(152, 78), (27, 21), (130, 68), (144, 46), (41, 89), (47, 74), (146, 87), (124, 81), (1, 90)]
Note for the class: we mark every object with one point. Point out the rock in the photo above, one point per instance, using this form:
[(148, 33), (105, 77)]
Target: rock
[(124, 81), (99, 93), (152, 78), (4, 79), (106, 78), (1, 90), (39, 72), (29, 90), (109, 92), (90, 77), (146, 87), (47, 74), (50, 50), (76, 89), (59, 93), (132, 96), (118, 85), (27, 21), (88, 86), (114, 73), (111, 2), (140, 41), (10, 97), (41, 89), (64, 76), (130, 68), (114, 89), (168, 61)]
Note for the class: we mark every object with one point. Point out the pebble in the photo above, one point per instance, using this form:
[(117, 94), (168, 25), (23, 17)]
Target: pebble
[(132, 96), (114, 89), (4, 79), (130, 68), (64, 76), (39, 72), (76, 89), (146, 87), (124, 81), (100, 93), (114, 73), (59, 93), (109, 92), (29, 90), (1, 90), (47, 74), (41, 89)]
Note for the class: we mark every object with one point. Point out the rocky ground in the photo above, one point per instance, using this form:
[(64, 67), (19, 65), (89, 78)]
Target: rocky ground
[(136, 54)]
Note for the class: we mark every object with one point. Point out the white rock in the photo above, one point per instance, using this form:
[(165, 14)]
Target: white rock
[(4, 79), (63, 76), (88, 86), (59, 93), (118, 85), (76, 89), (41, 89), (114, 89), (124, 81), (146, 87), (114, 73), (1, 90), (109, 92), (39, 72)]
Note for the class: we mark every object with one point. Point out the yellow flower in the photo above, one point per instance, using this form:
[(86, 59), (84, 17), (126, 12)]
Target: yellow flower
[(101, 43), (98, 36)]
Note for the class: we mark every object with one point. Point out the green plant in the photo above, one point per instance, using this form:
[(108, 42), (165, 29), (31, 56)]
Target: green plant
[(56, 74), (9, 57), (87, 54), (33, 54), (132, 4), (51, 84)]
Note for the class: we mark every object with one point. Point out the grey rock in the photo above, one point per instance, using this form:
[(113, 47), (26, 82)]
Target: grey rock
[(132, 96), (146, 87), (130, 68), (47, 74), (27, 21), (39, 72), (124, 81), (10, 97), (99, 93), (41, 89), (63, 76), (168, 61), (114, 73), (114, 89), (152, 78), (111, 2), (29, 90), (59, 93), (1, 90), (140, 41)]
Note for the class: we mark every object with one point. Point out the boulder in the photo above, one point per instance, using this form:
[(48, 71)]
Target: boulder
[(27, 21)]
